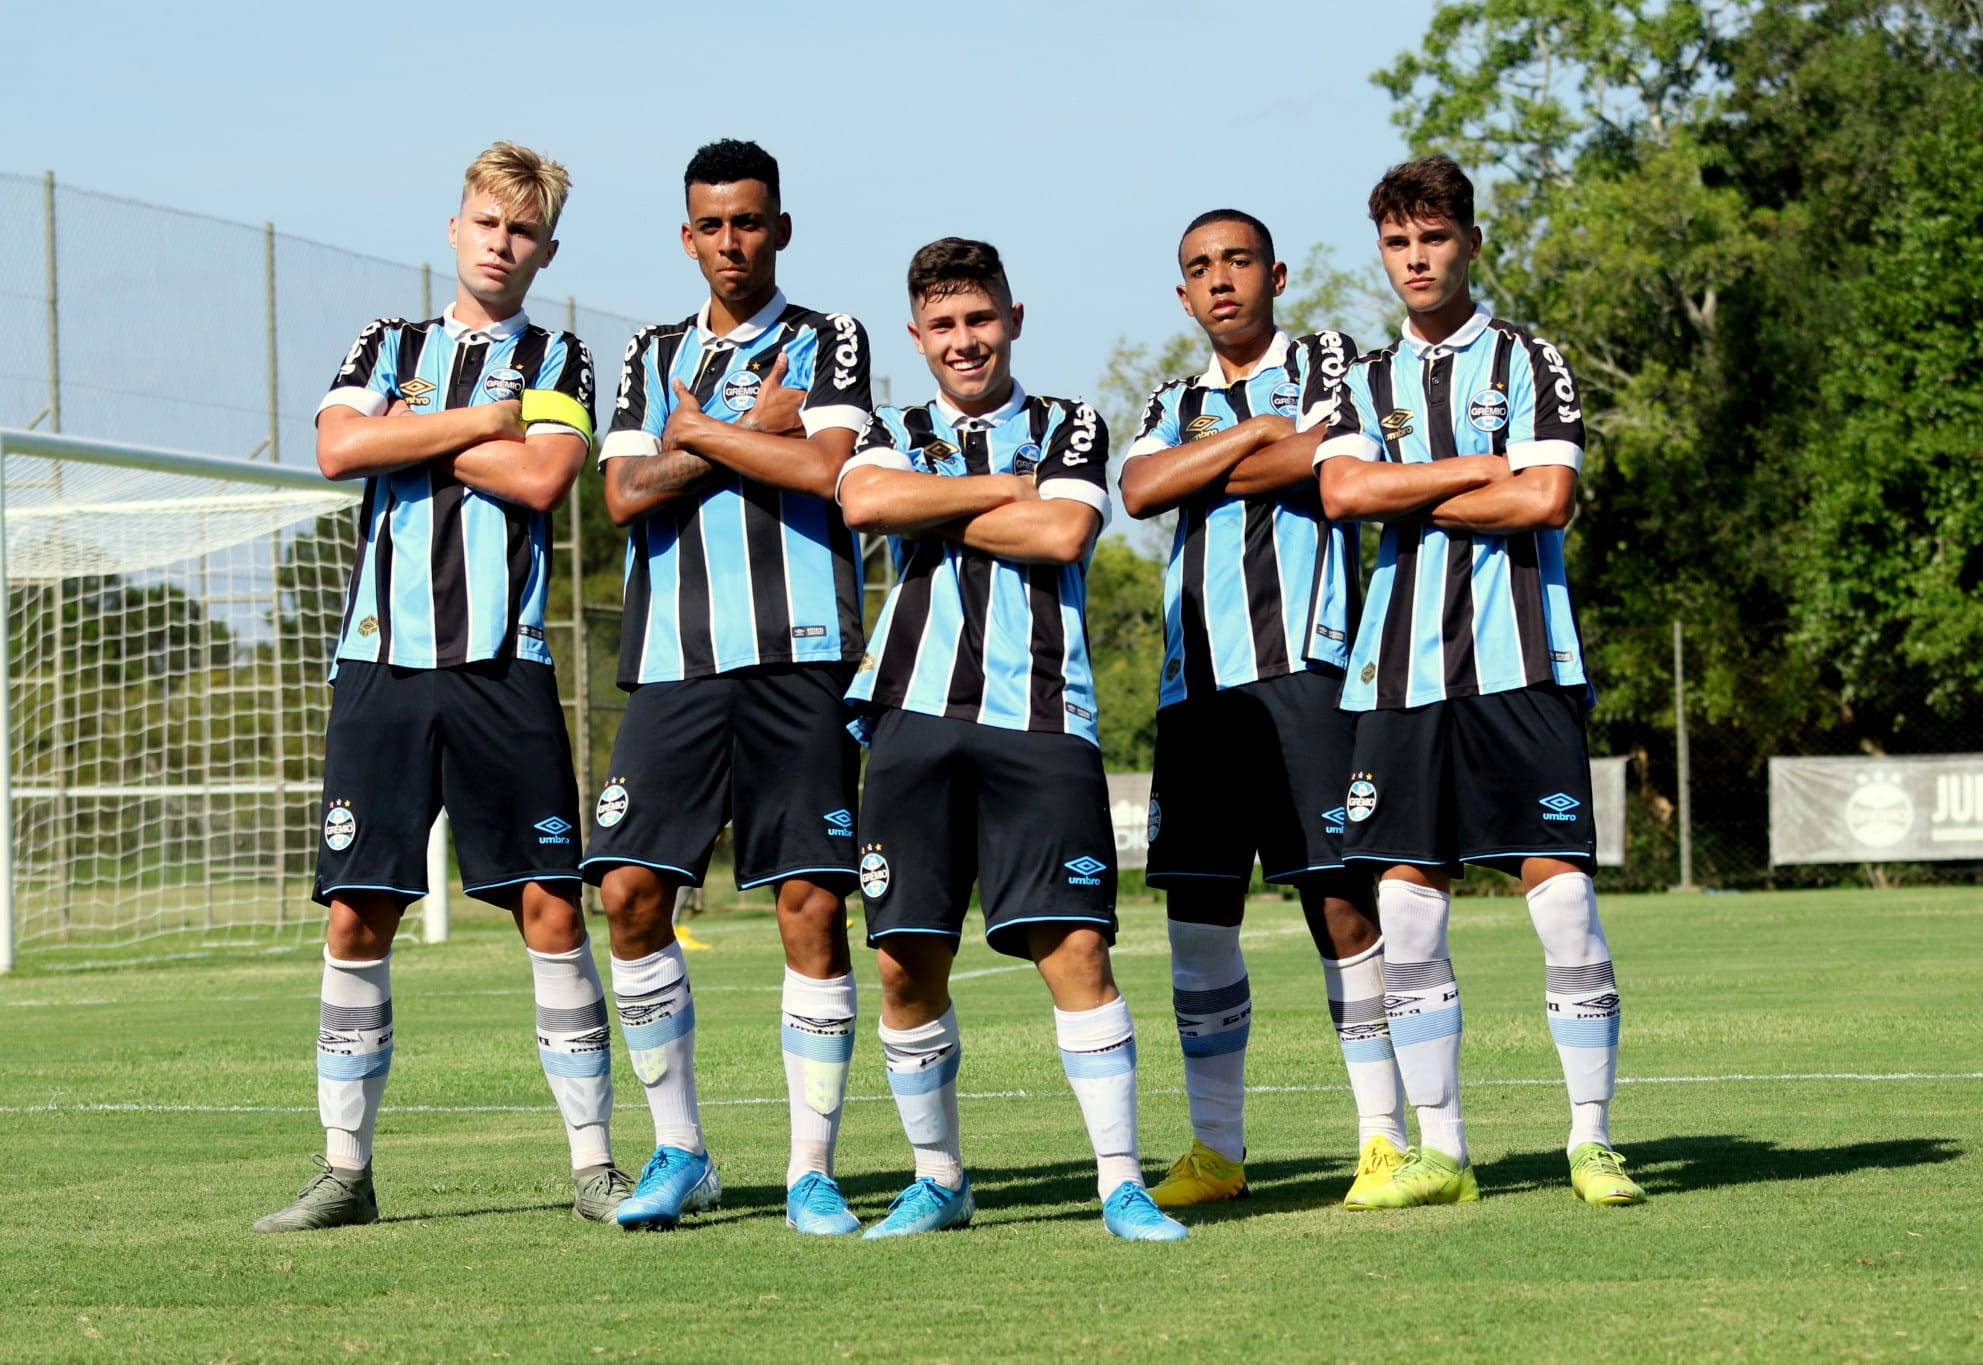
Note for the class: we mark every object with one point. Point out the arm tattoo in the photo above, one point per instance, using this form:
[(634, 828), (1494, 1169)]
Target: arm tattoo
[(669, 472)]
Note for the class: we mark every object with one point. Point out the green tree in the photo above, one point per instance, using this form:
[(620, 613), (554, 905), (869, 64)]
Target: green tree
[(1126, 646)]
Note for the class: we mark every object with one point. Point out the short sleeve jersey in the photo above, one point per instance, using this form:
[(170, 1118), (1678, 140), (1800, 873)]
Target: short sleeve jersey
[(447, 575), (742, 573), (1453, 613), (964, 633), (1258, 587)]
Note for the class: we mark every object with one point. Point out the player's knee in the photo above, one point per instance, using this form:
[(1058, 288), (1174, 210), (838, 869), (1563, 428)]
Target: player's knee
[(1341, 909), (1074, 961), (915, 980), (637, 904), (549, 918), (361, 930)]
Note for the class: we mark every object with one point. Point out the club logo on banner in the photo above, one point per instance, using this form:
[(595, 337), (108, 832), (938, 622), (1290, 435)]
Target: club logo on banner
[(1920, 808)]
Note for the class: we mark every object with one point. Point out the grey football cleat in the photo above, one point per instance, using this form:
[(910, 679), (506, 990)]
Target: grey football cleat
[(597, 1192), (334, 1198)]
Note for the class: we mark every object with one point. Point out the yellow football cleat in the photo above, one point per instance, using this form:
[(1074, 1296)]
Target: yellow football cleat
[(1597, 1176), (1424, 1176), (690, 943), (1375, 1164), (1200, 1176)]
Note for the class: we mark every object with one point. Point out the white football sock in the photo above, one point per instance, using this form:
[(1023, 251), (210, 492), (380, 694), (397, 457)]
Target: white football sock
[(657, 1017), (575, 1045), (354, 1053), (1356, 1005), (817, 1039), (1423, 1004), (1098, 1053), (1581, 996), (1214, 1007), (922, 1073)]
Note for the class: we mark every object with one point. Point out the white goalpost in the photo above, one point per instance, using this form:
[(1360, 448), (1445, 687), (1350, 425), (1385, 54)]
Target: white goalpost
[(170, 621)]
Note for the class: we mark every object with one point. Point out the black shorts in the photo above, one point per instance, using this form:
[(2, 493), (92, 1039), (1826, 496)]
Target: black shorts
[(1258, 769), (485, 740), (1488, 779), (765, 749), (951, 802)]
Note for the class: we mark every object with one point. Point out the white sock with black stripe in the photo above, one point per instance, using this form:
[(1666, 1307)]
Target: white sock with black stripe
[(575, 1046), (1581, 998), (354, 1055), (1422, 1001)]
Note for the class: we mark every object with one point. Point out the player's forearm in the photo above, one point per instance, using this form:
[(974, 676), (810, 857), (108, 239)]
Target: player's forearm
[(801, 464), (1155, 483), (637, 485), (535, 473), (351, 445), (904, 502), (1374, 490), (1043, 531), (1287, 463), (1537, 499)]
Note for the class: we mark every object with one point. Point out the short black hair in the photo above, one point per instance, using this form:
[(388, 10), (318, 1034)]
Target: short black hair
[(1431, 187), (1211, 216), (727, 162), (951, 265)]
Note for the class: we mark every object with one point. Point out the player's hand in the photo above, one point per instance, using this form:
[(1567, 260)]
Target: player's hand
[(777, 408), (683, 420), (505, 419), (1272, 427), (1487, 468), (397, 408), (1025, 487)]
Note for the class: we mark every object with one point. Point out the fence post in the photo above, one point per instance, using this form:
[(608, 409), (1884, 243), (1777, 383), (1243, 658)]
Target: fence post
[(6, 742), (426, 291), (581, 651), (1686, 775), (268, 281), (54, 314)]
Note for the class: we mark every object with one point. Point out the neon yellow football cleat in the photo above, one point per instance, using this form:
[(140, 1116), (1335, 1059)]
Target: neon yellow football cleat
[(690, 943), (1597, 1176), (1200, 1176), (1375, 1165), (1424, 1176)]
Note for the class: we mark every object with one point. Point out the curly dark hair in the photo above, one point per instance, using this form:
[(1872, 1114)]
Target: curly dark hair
[(727, 162)]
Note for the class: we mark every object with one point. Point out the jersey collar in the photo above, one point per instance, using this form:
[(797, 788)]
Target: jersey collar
[(998, 416), (1469, 333), (495, 331), (1276, 355), (747, 331)]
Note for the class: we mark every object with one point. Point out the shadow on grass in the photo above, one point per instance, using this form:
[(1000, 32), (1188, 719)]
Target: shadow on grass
[(475, 1213), (1708, 1161)]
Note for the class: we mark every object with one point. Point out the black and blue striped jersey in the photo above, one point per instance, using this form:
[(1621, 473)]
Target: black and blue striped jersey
[(1452, 613), (741, 573), (966, 634), (447, 575), (1258, 587)]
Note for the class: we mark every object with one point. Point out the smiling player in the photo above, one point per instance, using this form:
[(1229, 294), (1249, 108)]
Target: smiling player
[(1260, 598), (1464, 438), (985, 766)]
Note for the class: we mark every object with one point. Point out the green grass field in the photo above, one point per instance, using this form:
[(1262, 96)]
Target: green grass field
[(1803, 1104)]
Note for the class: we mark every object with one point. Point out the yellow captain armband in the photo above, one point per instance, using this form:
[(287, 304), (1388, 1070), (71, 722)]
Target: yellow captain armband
[(548, 405)]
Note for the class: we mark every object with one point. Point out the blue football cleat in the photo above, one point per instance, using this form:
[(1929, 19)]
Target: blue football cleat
[(1132, 1215), (815, 1205), (673, 1182), (926, 1207)]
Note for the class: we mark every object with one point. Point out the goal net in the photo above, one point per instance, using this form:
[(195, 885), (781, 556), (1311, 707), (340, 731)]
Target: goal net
[(170, 620)]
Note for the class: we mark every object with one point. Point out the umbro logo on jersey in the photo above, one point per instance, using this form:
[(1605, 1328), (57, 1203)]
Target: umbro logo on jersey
[(1332, 820), (417, 392), (553, 830), (1084, 869), (938, 450), (839, 824), (1561, 806), (1200, 426), (1397, 424)]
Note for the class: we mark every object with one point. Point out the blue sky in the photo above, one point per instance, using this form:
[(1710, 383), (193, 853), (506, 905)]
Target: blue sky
[(1077, 137)]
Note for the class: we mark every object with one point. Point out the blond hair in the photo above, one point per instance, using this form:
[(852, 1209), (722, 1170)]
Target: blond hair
[(520, 180)]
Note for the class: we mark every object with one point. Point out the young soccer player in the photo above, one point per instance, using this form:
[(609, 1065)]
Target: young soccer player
[(1464, 437), (468, 430), (1260, 598), (985, 765), (741, 630)]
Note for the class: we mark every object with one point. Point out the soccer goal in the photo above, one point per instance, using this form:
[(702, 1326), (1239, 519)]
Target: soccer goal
[(170, 621)]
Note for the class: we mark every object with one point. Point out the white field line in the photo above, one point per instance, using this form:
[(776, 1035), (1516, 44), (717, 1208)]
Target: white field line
[(58, 1107)]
